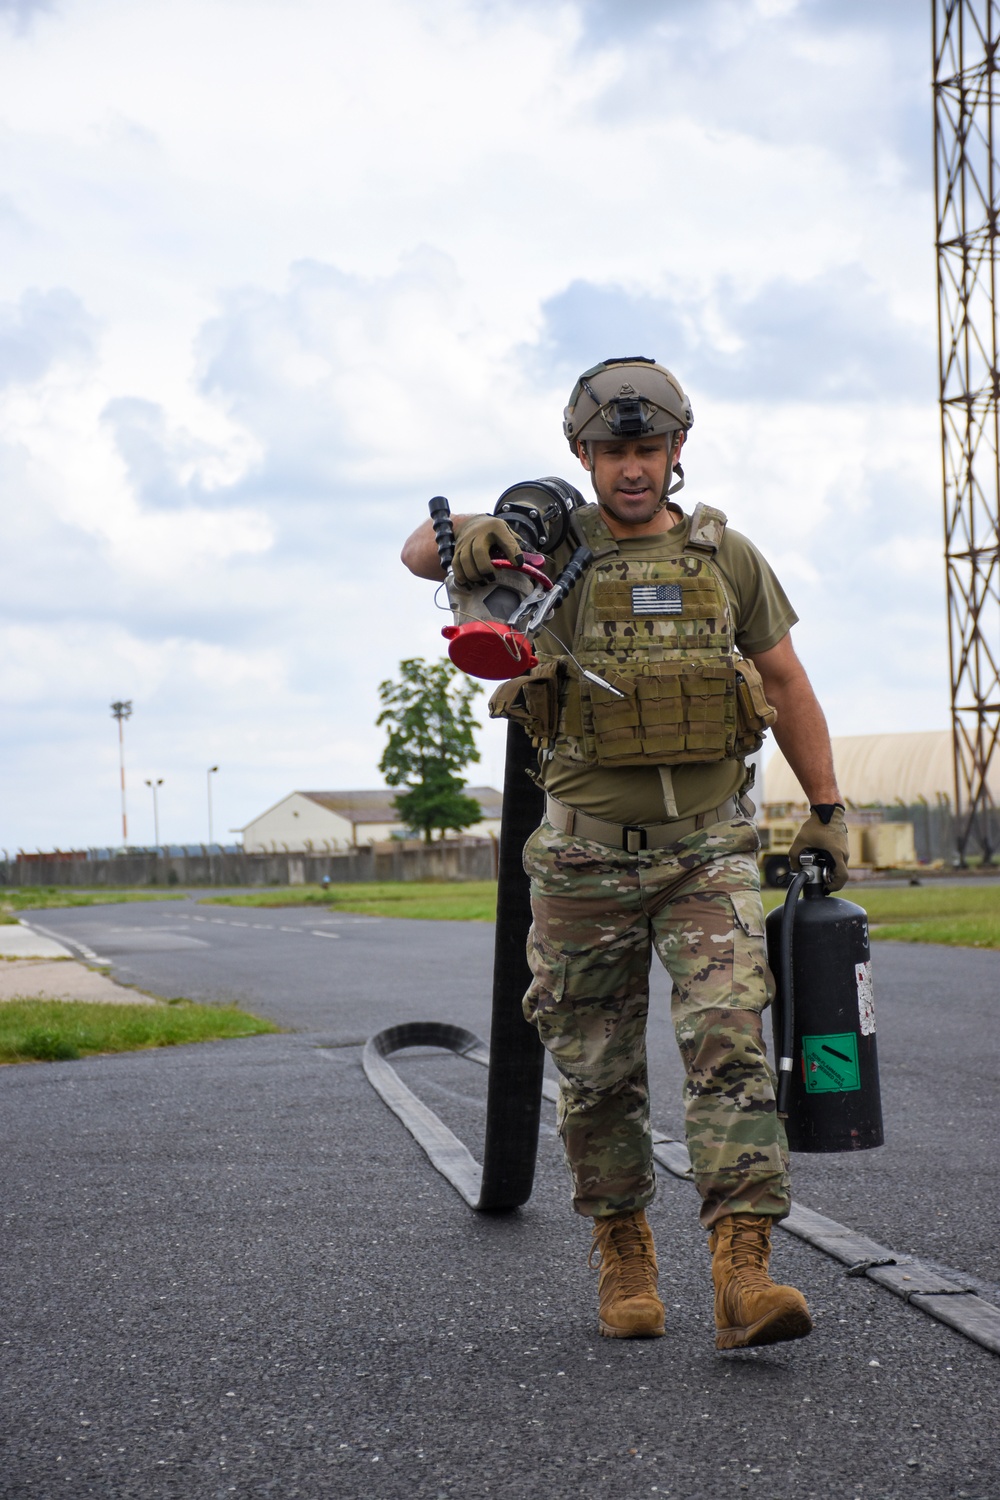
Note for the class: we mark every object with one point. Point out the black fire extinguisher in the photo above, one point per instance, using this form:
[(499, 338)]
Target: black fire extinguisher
[(824, 1018)]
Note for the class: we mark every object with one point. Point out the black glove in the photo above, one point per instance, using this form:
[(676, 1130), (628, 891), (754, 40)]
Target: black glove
[(476, 539), (825, 830)]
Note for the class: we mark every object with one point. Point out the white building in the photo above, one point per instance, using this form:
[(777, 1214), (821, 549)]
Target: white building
[(330, 822)]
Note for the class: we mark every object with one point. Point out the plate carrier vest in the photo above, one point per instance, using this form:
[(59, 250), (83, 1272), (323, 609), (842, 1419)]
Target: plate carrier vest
[(662, 633)]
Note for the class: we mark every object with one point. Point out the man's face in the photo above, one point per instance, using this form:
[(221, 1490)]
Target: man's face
[(629, 475)]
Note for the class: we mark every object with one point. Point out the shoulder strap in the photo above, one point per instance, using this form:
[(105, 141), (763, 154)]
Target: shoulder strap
[(708, 527), (587, 526)]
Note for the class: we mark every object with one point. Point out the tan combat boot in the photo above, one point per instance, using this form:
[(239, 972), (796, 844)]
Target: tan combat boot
[(749, 1308), (626, 1286)]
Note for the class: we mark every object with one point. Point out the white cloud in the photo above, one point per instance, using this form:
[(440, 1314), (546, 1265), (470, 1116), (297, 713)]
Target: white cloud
[(42, 330), (273, 275), (23, 12)]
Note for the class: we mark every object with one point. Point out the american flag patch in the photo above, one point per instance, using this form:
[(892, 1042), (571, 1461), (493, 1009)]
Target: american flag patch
[(656, 598)]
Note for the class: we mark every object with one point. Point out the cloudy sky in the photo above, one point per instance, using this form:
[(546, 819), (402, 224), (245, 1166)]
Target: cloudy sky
[(271, 275)]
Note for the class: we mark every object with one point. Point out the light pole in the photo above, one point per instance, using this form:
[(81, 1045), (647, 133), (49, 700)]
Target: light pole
[(156, 811), (211, 772), (122, 711)]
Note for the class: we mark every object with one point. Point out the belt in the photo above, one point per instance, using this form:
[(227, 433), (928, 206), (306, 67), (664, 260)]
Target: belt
[(633, 838)]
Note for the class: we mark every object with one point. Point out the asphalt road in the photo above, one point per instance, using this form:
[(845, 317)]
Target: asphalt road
[(227, 1269)]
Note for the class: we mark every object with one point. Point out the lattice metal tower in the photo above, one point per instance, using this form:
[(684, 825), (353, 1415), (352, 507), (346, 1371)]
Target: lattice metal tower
[(966, 97)]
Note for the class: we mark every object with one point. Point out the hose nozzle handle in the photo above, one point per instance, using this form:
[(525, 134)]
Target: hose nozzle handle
[(567, 580), (574, 571), (444, 531)]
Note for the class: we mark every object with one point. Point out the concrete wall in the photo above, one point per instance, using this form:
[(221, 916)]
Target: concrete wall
[(451, 859), (377, 833)]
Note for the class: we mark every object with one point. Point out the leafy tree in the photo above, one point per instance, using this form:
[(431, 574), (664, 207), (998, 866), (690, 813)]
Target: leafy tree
[(429, 715)]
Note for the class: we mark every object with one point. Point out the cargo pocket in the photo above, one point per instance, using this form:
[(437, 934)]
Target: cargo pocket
[(752, 985), (546, 1007)]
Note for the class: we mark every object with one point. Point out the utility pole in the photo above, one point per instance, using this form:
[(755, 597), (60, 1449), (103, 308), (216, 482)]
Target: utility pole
[(121, 712), (156, 811), (211, 772), (966, 97)]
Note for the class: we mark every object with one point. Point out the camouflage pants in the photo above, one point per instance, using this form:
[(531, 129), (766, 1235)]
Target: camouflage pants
[(597, 914)]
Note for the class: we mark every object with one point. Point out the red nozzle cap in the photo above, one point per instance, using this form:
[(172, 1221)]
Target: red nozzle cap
[(493, 651)]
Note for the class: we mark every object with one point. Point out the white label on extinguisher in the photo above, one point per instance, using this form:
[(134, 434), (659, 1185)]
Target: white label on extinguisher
[(866, 998)]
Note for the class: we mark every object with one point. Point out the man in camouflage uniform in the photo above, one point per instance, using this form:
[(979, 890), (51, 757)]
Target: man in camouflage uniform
[(659, 675)]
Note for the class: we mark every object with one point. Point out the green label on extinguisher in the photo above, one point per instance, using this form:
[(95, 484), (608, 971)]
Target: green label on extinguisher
[(830, 1063)]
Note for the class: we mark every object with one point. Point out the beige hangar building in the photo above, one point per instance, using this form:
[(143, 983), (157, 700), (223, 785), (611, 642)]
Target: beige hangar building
[(879, 770)]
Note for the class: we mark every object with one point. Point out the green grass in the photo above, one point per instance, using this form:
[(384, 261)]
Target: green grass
[(961, 916), (432, 901), (973, 933), (957, 915), (17, 898), (965, 916), (62, 1030)]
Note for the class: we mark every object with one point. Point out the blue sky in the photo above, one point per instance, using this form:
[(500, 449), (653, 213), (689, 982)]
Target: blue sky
[(271, 276)]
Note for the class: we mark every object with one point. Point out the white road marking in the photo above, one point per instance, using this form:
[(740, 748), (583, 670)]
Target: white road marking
[(954, 1303), (87, 954)]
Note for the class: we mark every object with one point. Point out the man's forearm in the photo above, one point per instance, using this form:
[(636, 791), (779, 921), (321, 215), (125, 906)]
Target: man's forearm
[(804, 739), (800, 728)]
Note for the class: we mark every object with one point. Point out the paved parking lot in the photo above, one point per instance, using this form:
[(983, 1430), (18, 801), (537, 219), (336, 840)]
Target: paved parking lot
[(228, 1270)]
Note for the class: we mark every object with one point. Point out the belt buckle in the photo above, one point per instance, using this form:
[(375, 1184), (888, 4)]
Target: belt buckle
[(633, 839)]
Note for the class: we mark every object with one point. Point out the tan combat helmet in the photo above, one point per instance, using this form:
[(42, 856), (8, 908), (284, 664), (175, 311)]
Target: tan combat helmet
[(632, 397), (627, 398)]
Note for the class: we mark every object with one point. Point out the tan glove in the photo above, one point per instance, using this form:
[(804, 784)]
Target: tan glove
[(825, 830), (471, 563)]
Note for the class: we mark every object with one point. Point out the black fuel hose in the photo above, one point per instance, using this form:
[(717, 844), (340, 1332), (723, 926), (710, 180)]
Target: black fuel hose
[(572, 573), (516, 1056), (787, 1017)]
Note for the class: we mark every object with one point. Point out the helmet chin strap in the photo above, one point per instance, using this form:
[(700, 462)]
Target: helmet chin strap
[(671, 488)]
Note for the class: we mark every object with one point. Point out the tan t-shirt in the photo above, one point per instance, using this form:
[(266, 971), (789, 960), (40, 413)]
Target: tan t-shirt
[(762, 617)]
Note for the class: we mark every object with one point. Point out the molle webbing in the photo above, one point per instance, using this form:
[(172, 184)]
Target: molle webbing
[(678, 712), (660, 632)]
